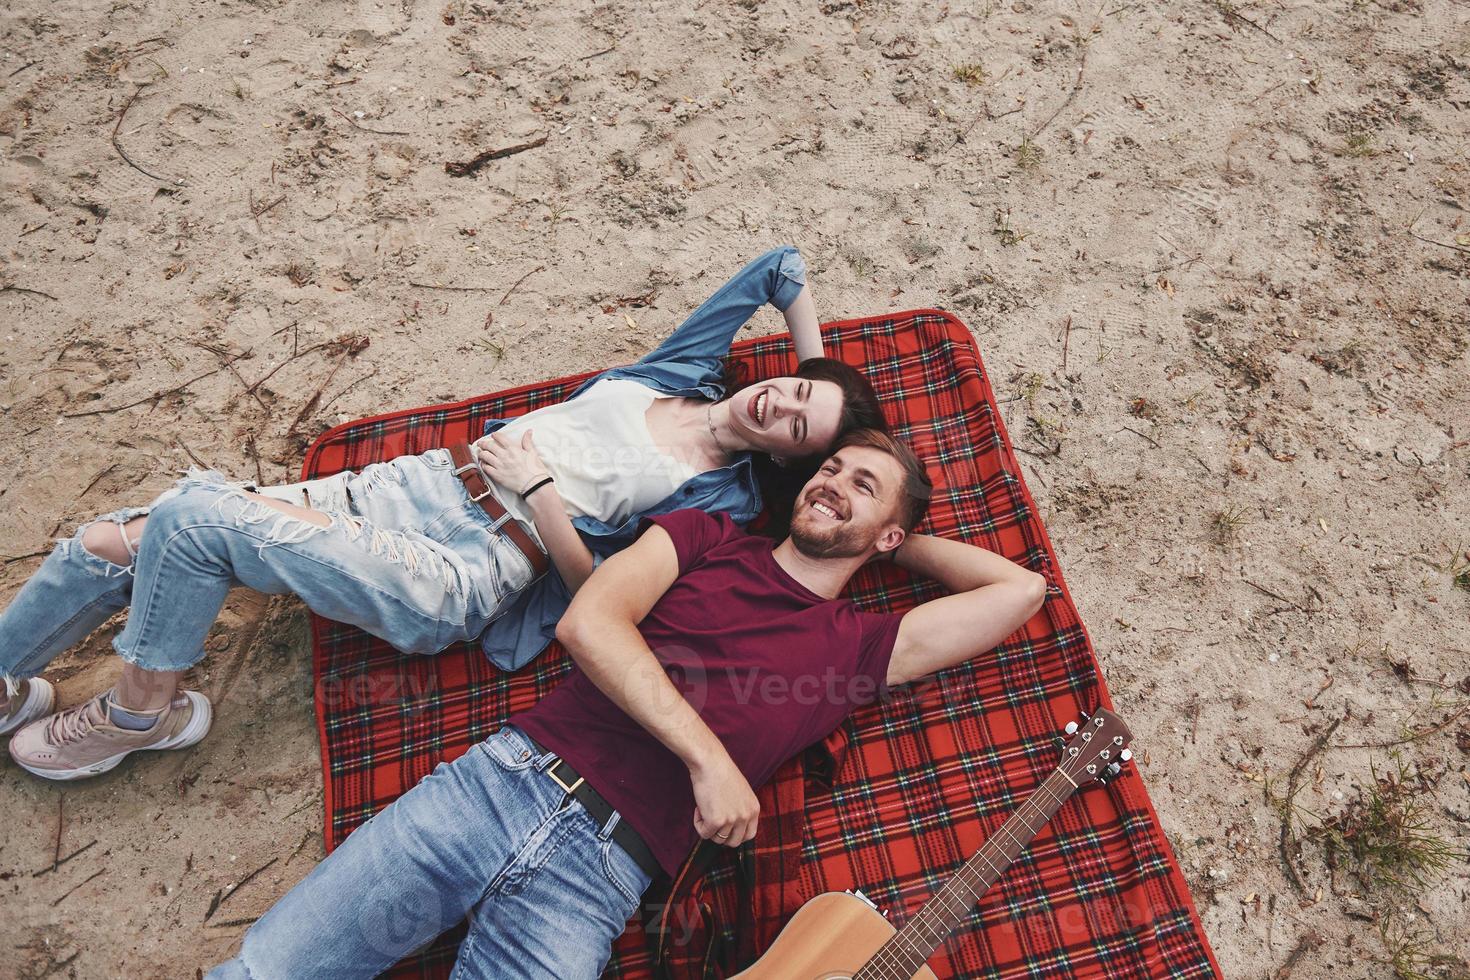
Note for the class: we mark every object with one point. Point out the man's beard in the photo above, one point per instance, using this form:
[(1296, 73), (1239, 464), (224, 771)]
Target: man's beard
[(839, 541)]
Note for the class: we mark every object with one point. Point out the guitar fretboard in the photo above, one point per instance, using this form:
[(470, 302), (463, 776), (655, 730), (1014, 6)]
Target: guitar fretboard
[(907, 949)]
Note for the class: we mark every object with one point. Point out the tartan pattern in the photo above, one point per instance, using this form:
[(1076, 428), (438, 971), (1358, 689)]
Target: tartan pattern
[(919, 779)]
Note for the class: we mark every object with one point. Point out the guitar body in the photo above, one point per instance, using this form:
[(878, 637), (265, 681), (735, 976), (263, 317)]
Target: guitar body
[(829, 938), (837, 934)]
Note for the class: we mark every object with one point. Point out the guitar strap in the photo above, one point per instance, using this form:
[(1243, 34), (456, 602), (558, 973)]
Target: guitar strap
[(687, 938)]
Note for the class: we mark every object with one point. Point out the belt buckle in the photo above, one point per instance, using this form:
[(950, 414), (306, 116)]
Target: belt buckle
[(551, 771), (488, 490)]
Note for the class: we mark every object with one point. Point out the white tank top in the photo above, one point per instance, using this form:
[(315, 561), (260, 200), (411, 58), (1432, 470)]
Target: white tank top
[(601, 453)]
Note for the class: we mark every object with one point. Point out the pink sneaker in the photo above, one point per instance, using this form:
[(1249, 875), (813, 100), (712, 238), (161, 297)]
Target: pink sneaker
[(25, 701), (82, 742)]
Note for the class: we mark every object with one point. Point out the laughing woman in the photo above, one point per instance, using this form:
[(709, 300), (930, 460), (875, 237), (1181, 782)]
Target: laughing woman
[(484, 542)]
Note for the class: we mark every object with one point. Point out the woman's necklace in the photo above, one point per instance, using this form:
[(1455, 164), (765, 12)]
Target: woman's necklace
[(709, 420)]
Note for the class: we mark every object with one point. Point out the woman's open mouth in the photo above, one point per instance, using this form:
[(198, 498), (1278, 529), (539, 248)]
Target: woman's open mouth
[(758, 407)]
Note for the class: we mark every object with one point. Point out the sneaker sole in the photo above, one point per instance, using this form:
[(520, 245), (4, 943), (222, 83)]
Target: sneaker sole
[(198, 727), (40, 699)]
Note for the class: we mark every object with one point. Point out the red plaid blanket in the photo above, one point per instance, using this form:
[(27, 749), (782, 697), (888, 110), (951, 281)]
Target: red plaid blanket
[(912, 785)]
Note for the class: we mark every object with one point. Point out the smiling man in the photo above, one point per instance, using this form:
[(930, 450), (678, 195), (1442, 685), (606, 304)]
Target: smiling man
[(707, 658)]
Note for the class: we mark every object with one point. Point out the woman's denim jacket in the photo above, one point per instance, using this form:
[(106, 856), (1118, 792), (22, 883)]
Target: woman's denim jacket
[(689, 363)]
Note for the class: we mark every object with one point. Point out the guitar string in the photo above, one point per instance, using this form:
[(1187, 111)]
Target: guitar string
[(920, 922)]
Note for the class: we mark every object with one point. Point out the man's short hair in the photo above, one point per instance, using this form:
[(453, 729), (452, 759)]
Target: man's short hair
[(913, 501)]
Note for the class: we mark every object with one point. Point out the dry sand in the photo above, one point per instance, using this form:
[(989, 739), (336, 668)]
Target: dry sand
[(1215, 255)]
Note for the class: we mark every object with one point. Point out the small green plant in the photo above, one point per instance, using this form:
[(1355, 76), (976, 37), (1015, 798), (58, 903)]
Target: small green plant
[(1360, 145), (1028, 155), (1008, 236), (1030, 384), (1410, 955), (1384, 834), (1225, 524), (1459, 570), (971, 74), (861, 265)]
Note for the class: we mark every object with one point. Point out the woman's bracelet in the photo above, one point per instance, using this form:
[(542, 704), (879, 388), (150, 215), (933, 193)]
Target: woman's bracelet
[(525, 494)]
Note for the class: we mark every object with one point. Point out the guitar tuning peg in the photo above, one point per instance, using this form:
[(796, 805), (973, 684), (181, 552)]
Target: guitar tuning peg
[(1125, 755), (1071, 728), (1058, 743), (1115, 768), (1085, 715)]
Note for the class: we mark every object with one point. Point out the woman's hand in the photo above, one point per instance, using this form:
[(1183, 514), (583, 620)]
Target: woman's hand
[(514, 467)]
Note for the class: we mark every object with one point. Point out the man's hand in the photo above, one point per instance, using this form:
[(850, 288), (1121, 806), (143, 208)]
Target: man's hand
[(513, 467), (725, 808)]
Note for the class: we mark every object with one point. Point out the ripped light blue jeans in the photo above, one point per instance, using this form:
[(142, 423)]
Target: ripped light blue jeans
[(489, 837), (408, 557)]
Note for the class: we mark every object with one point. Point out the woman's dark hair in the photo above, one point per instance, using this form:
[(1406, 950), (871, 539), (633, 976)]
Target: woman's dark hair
[(780, 485)]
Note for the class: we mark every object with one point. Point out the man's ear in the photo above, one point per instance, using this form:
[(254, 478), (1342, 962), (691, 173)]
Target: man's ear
[(889, 541)]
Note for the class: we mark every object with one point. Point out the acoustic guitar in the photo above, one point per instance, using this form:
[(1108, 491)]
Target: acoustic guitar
[(842, 936)]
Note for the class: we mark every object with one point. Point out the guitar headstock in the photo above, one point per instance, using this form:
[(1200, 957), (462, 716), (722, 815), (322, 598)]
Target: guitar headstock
[(1097, 748)]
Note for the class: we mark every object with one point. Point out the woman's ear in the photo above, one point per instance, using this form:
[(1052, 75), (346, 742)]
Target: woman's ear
[(779, 461)]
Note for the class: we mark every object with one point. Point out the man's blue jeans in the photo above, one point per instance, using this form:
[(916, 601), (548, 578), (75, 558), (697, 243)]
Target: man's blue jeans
[(488, 836)]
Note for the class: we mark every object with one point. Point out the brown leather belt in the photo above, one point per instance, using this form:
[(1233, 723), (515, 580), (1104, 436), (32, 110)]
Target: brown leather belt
[(481, 493)]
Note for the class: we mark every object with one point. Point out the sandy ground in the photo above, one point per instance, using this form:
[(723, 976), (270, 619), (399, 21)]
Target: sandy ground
[(1216, 257)]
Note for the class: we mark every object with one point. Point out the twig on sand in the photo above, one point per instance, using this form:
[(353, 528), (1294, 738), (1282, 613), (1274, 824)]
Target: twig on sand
[(539, 268), (223, 895), (22, 289), (123, 153), (101, 473), (350, 347), (1292, 779), (98, 873), (52, 867), (1228, 9), (1141, 435), (22, 68), (256, 210), (294, 355), (233, 922), (1416, 736), (254, 452), (1076, 87), (11, 559), (1430, 241), (1308, 943), (157, 395), (223, 354), (60, 814), (454, 289), (1275, 595), (190, 453), (468, 167), (328, 403), (375, 132)]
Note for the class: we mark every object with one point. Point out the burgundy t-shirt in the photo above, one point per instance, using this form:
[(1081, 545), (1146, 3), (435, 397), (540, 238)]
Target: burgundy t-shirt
[(770, 666)]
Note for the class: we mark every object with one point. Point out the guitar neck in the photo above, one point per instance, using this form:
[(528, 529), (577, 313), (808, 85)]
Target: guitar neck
[(908, 948)]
